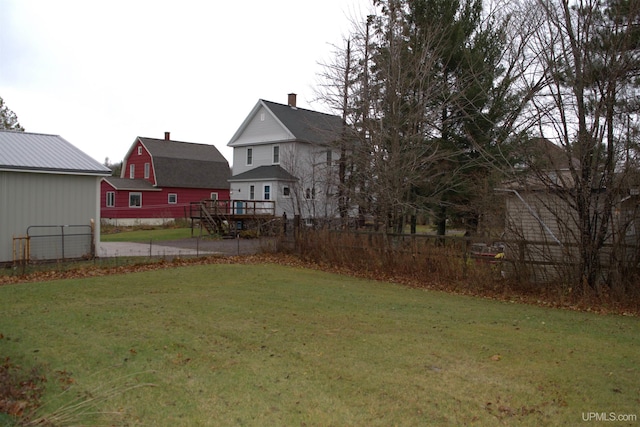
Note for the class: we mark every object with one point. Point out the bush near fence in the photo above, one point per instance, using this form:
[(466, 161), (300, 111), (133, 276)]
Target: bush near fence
[(425, 259), (525, 266), (445, 263)]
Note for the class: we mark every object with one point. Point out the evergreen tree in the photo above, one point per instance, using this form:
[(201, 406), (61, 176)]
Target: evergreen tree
[(8, 119)]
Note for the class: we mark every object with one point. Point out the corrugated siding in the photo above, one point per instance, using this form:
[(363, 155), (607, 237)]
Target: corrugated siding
[(28, 199)]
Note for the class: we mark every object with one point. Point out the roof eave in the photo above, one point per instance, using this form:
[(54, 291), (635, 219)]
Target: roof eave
[(55, 171), (248, 119)]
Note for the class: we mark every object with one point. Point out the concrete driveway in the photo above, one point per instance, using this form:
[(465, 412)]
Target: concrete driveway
[(186, 247)]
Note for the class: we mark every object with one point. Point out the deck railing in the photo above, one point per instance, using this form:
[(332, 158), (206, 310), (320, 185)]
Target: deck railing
[(236, 208)]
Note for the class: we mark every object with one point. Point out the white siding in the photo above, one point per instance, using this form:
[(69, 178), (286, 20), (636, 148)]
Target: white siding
[(261, 131), (262, 156), (545, 223), (240, 191), (305, 161), (28, 199)]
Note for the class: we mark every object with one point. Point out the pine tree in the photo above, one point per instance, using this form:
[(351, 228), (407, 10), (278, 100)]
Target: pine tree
[(8, 119)]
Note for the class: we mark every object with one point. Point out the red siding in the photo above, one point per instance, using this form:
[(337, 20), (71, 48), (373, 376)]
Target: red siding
[(155, 203), (139, 160)]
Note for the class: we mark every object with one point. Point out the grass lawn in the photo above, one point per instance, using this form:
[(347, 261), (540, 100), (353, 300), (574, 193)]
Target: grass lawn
[(159, 234), (264, 345)]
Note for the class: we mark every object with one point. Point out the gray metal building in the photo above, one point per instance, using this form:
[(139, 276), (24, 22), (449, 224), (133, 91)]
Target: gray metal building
[(49, 198)]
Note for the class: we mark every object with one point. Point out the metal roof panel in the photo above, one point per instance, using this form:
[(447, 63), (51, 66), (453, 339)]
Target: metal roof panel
[(25, 151)]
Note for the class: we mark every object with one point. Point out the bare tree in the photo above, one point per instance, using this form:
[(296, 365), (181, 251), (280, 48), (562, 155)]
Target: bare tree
[(429, 122), (584, 61)]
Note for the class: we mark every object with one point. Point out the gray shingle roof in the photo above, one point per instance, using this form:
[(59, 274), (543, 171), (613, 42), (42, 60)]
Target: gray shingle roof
[(130, 184), (274, 172), (25, 151), (307, 125), (185, 164)]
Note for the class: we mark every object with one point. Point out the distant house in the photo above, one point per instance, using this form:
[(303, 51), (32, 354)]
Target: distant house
[(49, 201), (287, 154), (542, 224), (160, 178)]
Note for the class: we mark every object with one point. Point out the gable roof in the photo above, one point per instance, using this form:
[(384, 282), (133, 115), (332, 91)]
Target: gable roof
[(273, 172), (542, 166), (34, 152), (186, 164), (543, 154), (302, 124)]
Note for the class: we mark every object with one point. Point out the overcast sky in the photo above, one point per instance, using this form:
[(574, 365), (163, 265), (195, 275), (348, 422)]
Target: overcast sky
[(101, 73)]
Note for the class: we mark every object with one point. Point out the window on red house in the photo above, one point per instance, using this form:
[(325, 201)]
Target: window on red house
[(135, 200)]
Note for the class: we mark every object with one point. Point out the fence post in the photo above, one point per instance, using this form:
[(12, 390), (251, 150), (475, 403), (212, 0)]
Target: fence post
[(92, 227), (296, 231), (466, 255), (62, 235)]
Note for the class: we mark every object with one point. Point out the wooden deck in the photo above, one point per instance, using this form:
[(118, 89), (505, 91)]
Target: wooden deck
[(230, 216)]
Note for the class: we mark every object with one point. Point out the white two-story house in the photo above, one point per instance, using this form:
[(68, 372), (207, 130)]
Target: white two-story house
[(288, 155)]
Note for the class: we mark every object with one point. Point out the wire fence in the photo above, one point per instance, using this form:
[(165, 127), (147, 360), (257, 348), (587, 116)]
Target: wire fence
[(60, 242)]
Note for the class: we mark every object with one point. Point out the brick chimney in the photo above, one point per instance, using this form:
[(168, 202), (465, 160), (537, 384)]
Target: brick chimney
[(292, 100), (167, 136)]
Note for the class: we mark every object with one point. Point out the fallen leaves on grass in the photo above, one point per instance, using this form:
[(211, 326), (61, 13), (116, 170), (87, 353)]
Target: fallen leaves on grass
[(20, 392)]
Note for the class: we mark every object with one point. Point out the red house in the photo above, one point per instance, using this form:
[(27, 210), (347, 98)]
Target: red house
[(159, 180)]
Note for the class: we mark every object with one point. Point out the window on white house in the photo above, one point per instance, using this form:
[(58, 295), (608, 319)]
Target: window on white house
[(147, 170), (276, 154), (267, 192), (252, 192), (135, 200), (286, 192), (132, 171), (310, 193), (111, 199), (249, 156), (172, 199)]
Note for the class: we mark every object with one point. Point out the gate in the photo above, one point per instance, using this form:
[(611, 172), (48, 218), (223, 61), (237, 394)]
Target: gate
[(60, 242)]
